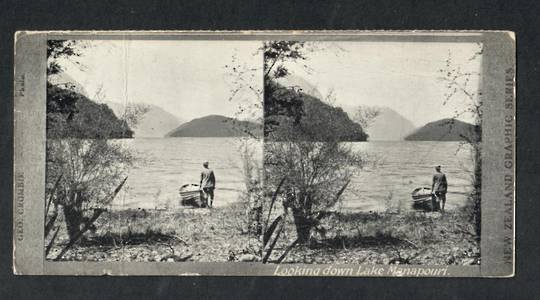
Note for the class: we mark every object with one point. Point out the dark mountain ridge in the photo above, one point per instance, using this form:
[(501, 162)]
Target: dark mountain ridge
[(72, 115), (216, 126), (293, 114), (446, 130)]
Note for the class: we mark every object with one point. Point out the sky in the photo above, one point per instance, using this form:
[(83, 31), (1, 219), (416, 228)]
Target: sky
[(190, 79), (186, 78), (403, 76)]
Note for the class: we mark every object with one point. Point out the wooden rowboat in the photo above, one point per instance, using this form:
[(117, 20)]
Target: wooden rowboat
[(422, 198), (421, 194), (190, 195)]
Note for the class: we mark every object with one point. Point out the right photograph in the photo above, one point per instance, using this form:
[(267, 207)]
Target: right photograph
[(372, 152)]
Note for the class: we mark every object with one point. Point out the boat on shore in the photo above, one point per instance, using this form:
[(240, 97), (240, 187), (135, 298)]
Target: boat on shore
[(190, 195), (423, 199)]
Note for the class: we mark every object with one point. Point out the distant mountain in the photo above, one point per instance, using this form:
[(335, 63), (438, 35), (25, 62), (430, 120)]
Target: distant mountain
[(156, 122), (73, 115), (216, 126), (446, 130), (300, 84), (63, 80), (389, 125)]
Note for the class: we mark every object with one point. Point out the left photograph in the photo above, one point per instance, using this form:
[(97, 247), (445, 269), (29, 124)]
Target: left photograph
[(154, 150)]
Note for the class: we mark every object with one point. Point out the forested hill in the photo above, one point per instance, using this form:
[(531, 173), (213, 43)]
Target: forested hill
[(216, 126), (292, 113), (72, 115), (446, 130)]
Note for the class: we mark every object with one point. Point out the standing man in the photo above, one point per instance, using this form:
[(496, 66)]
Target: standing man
[(208, 184), (439, 187)]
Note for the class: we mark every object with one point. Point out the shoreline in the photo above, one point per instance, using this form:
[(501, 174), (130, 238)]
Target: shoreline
[(418, 238), (205, 235), (201, 235)]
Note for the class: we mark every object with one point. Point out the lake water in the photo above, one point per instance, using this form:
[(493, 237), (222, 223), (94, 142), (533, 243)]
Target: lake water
[(401, 167), (169, 163), (405, 165)]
